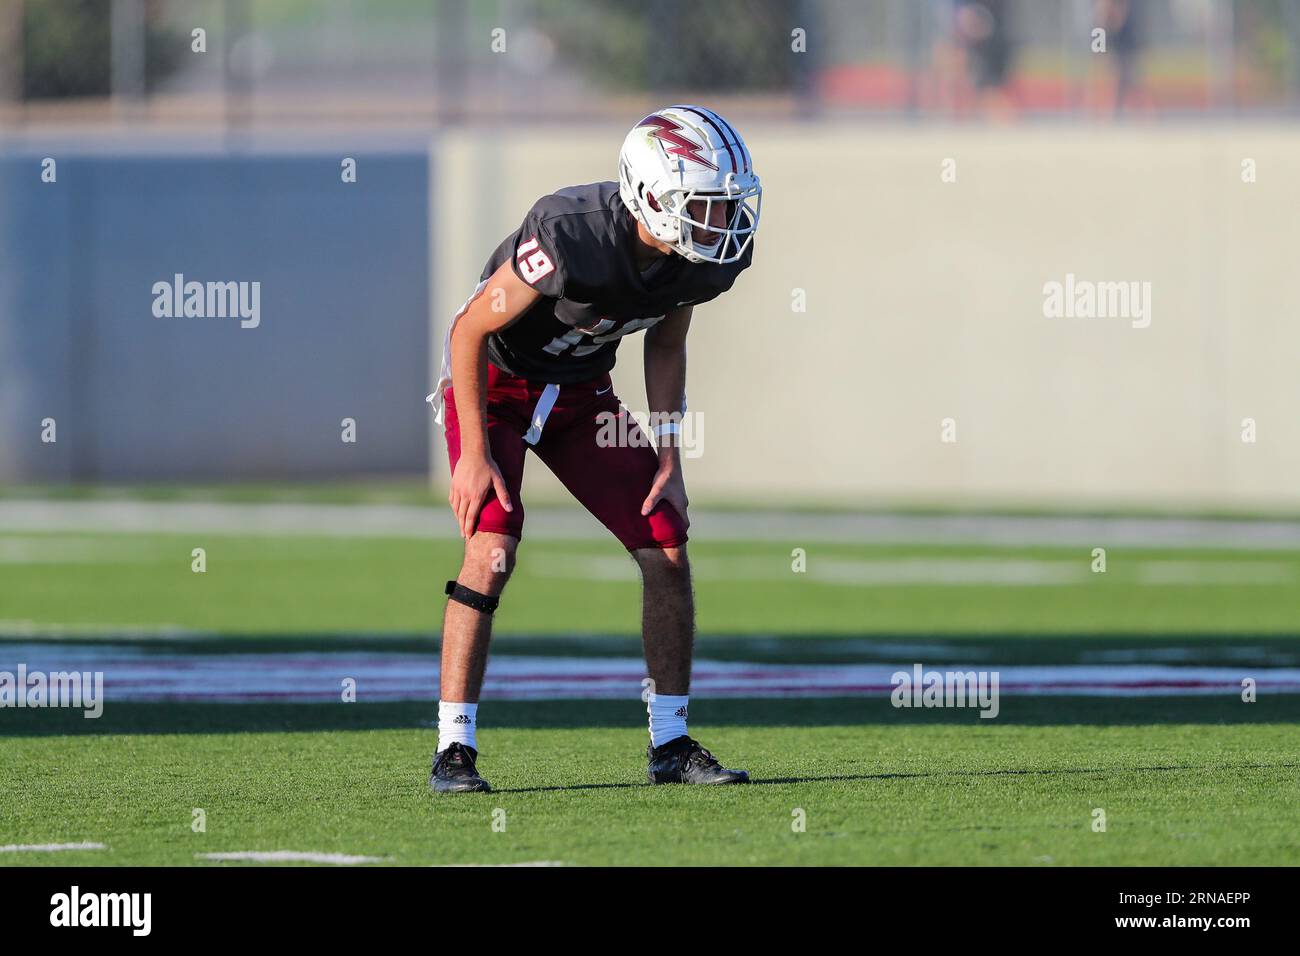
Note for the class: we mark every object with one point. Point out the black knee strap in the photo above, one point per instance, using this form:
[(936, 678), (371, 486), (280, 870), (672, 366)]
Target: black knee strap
[(471, 598)]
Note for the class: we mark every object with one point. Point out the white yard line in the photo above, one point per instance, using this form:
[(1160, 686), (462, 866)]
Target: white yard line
[(530, 863), (409, 521), (846, 572), (290, 856), (921, 572), (49, 847), (60, 550), (60, 631), (1215, 572)]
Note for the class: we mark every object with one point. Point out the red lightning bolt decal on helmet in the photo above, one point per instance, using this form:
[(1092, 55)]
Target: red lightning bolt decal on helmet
[(675, 144)]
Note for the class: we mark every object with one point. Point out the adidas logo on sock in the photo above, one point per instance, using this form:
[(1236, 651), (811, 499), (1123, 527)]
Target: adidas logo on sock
[(462, 719), (680, 712)]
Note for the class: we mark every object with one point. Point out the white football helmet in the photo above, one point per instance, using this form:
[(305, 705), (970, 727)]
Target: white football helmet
[(683, 153)]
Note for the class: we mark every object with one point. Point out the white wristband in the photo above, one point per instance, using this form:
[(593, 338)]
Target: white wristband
[(667, 428)]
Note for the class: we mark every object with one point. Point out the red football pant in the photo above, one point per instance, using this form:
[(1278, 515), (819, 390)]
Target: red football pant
[(611, 482)]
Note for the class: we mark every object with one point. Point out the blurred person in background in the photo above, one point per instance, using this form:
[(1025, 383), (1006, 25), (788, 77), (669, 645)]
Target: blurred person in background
[(1119, 88), (981, 35)]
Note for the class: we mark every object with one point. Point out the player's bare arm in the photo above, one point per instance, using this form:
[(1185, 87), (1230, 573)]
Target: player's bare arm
[(476, 473), (665, 385)]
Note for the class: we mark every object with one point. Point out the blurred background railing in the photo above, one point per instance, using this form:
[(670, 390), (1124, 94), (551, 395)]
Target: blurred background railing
[(421, 63)]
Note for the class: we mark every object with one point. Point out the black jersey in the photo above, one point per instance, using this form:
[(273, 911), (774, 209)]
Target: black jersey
[(577, 248)]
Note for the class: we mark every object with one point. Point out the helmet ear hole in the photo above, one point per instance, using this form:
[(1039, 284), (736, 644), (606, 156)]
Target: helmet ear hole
[(652, 202)]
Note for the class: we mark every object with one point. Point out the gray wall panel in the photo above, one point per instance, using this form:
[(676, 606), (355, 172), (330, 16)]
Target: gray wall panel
[(343, 329)]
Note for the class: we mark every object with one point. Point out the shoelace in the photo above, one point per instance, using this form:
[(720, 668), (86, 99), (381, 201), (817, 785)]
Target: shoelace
[(699, 755), (456, 756)]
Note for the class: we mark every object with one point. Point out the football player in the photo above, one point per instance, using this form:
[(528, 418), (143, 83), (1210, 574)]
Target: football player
[(526, 365)]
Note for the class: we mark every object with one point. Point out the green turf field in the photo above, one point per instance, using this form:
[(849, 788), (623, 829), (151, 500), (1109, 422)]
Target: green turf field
[(304, 585), (1182, 780)]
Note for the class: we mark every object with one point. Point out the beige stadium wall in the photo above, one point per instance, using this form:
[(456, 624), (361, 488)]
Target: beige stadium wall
[(925, 301)]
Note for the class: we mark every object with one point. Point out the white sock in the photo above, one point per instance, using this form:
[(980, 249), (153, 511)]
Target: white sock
[(456, 724), (667, 718)]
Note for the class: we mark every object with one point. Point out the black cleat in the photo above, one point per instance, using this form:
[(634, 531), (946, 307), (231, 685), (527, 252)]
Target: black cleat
[(454, 772), (683, 760)]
